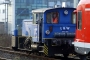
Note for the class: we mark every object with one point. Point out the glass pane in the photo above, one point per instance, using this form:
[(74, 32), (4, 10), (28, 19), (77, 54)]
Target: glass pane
[(41, 15), (52, 17), (79, 19), (79, 15), (48, 16), (37, 17), (55, 17), (74, 18), (80, 24)]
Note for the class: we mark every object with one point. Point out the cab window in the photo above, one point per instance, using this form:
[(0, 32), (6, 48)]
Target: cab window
[(48, 17), (73, 18), (79, 13), (39, 16), (52, 17)]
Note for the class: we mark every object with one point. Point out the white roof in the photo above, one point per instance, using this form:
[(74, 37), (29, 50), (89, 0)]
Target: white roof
[(40, 10)]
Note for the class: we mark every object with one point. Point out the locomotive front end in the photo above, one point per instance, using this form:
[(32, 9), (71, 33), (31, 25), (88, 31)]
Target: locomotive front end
[(59, 23), (59, 29)]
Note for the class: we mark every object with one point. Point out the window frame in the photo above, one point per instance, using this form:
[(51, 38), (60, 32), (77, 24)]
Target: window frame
[(51, 13), (79, 20), (75, 18)]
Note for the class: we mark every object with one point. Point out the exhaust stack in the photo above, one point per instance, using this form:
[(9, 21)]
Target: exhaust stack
[(63, 4)]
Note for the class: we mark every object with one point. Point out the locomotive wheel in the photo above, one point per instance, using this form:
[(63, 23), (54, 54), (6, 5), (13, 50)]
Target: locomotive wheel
[(28, 46), (27, 43)]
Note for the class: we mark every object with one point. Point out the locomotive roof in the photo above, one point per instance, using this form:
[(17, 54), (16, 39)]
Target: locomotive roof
[(84, 2), (59, 8), (41, 10)]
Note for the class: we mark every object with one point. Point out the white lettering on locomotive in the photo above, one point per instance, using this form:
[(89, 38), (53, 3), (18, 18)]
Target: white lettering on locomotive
[(64, 28)]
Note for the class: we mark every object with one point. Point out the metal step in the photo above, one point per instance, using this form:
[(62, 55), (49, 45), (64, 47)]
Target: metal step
[(41, 51), (24, 49)]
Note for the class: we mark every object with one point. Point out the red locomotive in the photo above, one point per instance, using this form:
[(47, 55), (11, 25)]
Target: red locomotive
[(82, 39)]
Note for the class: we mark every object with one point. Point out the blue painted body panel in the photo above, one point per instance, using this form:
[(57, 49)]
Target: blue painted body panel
[(64, 21)]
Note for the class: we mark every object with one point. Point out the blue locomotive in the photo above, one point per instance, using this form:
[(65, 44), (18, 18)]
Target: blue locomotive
[(52, 33), (58, 31)]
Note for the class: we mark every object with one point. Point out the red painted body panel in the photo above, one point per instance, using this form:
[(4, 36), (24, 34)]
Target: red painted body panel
[(83, 35)]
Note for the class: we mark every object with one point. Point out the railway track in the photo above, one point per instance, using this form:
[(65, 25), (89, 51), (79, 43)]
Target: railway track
[(9, 54), (17, 55)]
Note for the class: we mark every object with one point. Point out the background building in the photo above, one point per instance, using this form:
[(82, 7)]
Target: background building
[(3, 17), (2, 13), (19, 10)]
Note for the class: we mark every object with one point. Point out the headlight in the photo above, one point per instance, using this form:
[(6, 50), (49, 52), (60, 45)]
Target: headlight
[(47, 32)]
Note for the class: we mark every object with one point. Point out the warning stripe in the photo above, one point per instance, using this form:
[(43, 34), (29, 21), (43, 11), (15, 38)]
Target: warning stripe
[(45, 50)]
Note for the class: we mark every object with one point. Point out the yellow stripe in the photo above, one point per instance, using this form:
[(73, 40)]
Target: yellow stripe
[(45, 50)]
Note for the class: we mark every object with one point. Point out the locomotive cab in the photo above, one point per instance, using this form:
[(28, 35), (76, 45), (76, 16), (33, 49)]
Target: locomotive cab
[(59, 25)]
